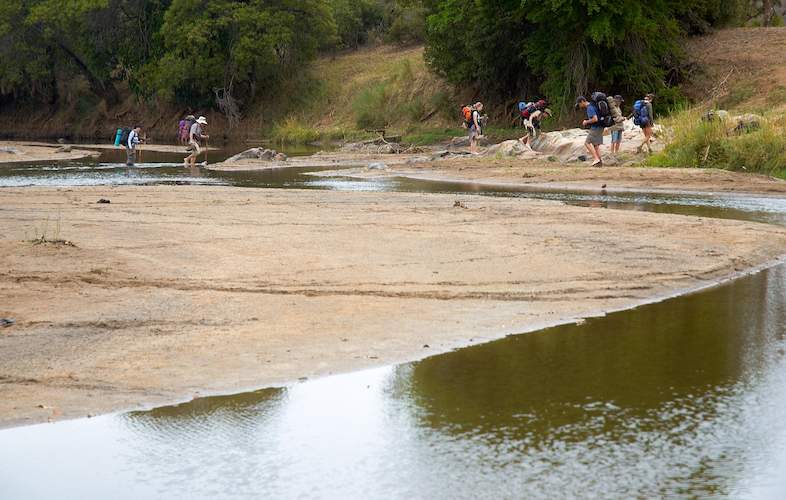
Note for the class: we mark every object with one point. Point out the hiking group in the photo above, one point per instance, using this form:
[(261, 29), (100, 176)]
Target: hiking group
[(604, 113), (190, 133)]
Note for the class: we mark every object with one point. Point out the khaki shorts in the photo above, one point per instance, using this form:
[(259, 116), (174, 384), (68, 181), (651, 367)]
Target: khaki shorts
[(594, 137), (195, 149), (473, 133)]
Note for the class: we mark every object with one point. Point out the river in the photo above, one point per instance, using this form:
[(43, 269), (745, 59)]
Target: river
[(682, 398)]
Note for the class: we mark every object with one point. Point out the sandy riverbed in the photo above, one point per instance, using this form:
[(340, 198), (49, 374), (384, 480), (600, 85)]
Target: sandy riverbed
[(174, 292), (547, 175), (20, 151)]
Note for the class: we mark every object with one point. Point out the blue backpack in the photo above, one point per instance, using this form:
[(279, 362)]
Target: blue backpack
[(640, 111)]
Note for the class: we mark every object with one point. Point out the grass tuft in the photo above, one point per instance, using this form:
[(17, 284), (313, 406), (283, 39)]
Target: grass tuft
[(692, 142)]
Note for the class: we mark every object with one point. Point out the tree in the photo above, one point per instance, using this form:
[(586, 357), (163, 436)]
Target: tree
[(235, 47), (561, 48)]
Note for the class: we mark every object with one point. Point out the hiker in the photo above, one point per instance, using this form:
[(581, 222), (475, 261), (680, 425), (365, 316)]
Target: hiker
[(595, 136), (133, 141), (475, 130), (185, 129), (195, 135), (615, 106), (644, 118), (533, 122)]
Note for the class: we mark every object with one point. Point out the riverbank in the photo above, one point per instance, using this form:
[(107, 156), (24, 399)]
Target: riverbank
[(23, 151), (169, 293), (543, 174)]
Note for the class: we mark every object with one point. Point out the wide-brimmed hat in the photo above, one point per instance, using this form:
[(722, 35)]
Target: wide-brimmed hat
[(202, 120), (619, 98), (547, 111), (191, 118)]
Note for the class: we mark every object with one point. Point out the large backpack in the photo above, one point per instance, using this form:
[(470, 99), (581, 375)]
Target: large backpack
[(616, 112), (602, 107), (124, 136), (530, 108), (640, 111), (466, 113)]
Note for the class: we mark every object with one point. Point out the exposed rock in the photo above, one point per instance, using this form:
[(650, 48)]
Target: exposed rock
[(376, 146), (64, 149), (258, 154), (10, 150), (377, 166), (463, 142), (508, 148)]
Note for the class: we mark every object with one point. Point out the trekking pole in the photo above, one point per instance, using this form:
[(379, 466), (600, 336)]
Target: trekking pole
[(207, 148)]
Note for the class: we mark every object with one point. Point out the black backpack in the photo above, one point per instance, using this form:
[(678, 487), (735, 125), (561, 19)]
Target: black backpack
[(602, 106), (124, 136)]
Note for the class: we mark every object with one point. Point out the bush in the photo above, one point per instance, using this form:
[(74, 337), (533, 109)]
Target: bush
[(370, 107), (693, 142)]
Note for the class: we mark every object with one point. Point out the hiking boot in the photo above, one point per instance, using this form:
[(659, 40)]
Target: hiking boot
[(597, 163)]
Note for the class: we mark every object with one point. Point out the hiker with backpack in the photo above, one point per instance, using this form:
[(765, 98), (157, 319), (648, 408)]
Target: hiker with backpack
[(644, 118), (615, 107), (595, 122), (472, 121), (184, 129), (131, 144), (195, 135), (533, 123)]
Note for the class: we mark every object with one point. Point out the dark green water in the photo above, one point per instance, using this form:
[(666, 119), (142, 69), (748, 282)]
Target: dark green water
[(684, 398)]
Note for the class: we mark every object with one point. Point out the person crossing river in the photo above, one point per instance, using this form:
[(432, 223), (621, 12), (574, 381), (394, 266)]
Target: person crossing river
[(195, 136)]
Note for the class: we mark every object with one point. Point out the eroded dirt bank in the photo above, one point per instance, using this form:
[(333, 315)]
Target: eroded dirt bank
[(174, 292)]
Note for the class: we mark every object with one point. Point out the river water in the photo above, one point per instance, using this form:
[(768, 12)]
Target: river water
[(683, 398)]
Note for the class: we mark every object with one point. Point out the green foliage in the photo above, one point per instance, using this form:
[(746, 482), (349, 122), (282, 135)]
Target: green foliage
[(371, 107), (236, 46), (777, 96), (737, 95), (696, 143), (562, 48)]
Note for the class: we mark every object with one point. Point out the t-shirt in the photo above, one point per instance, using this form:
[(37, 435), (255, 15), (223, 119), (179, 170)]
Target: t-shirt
[(133, 139), (196, 132), (475, 117), (591, 112)]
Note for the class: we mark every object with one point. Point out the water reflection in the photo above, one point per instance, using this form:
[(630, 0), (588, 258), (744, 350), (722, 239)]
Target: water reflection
[(682, 398)]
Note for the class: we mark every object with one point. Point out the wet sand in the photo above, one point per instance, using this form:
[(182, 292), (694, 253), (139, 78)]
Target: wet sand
[(173, 292), (542, 174), (22, 151)]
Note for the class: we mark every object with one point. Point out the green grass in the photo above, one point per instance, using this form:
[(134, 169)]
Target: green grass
[(695, 143), (737, 96), (777, 96), (427, 136), (294, 131)]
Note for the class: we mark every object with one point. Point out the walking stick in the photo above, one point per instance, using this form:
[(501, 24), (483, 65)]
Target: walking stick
[(207, 148)]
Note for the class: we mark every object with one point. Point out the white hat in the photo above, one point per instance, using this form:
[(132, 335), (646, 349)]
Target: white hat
[(202, 120)]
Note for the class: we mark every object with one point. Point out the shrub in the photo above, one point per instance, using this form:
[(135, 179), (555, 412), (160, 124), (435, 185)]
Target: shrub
[(370, 107), (693, 142)]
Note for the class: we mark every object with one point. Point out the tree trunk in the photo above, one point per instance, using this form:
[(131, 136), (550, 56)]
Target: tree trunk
[(766, 12)]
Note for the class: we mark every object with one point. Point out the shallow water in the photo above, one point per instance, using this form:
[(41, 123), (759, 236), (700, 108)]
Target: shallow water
[(682, 398)]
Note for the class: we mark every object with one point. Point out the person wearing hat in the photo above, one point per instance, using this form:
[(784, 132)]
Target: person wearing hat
[(615, 106), (195, 135), (595, 135)]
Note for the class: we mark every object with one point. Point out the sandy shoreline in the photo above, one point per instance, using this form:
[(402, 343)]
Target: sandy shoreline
[(172, 292), (23, 151), (537, 174)]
